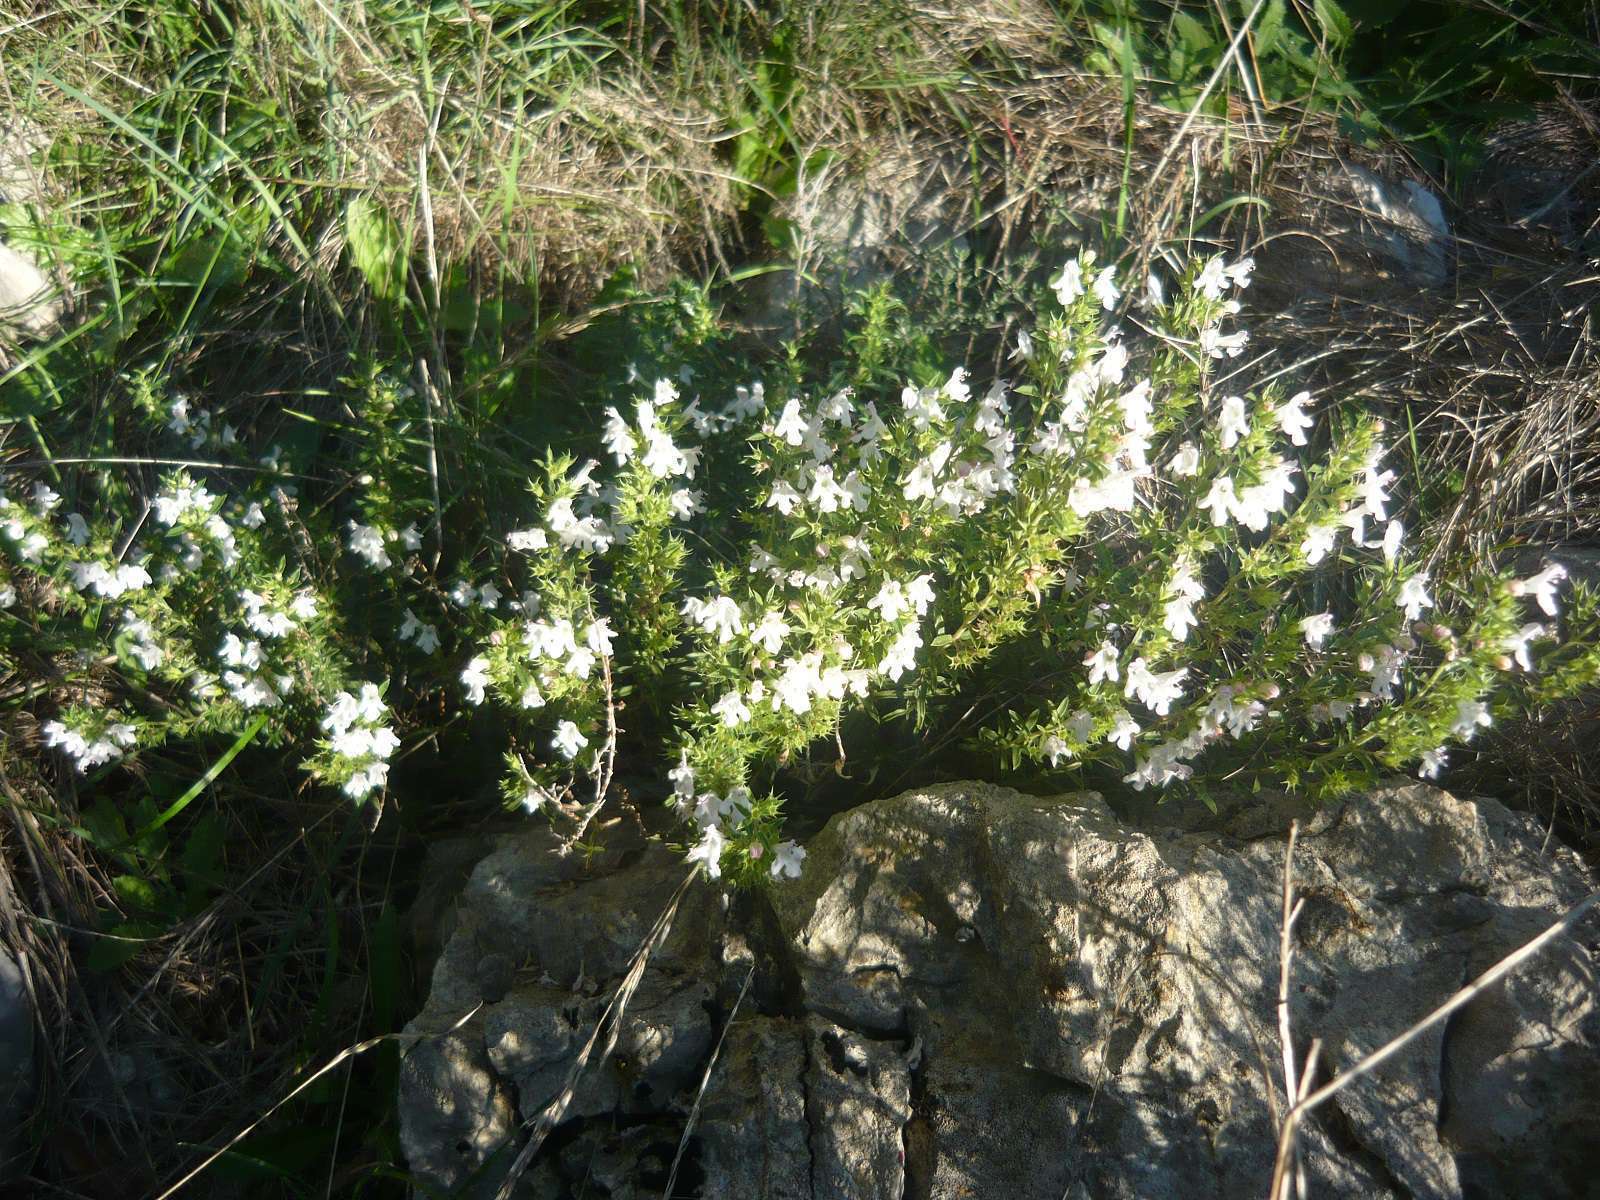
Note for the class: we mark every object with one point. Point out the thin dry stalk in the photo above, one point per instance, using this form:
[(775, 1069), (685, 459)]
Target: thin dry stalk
[(705, 1082), (610, 1023), (1288, 1133), (348, 1052)]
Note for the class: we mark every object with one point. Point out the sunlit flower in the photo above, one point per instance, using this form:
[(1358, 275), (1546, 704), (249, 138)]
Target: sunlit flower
[(1317, 629), (787, 858), (568, 740)]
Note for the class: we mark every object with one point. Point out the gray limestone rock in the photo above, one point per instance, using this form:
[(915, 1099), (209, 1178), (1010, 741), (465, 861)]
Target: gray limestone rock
[(17, 1068), (972, 992)]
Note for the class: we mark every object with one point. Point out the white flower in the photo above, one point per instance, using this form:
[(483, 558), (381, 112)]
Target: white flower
[(1318, 542), (731, 709), (1317, 629), (77, 529), (1068, 285), (791, 426), (709, 851), (1123, 730), (1292, 419), (1213, 278), (527, 539), (1186, 462), (1432, 763), (588, 534), (427, 639), (1235, 421), (902, 654), (489, 597), (1178, 615), (748, 401), (1102, 664), (1542, 587), (1055, 749), (919, 484), (1215, 343), (685, 503), (549, 639), (8, 596), (1024, 349), (410, 537), (1516, 644), (237, 653), (1414, 596), (598, 637), (719, 615), (1334, 710), (1470, 714), (786, 859), (1156, 689), (366, 543), (531, 697), (920, 593), (568, 740), (1221, 500), (618, 438), (1115, 491), (1105, 289), (45, 499), (662, 457), (769, 632), (890, 601), (1393, 534), (826, 495), (784, 497), (476, 676), (254, 517), (1374, 484)]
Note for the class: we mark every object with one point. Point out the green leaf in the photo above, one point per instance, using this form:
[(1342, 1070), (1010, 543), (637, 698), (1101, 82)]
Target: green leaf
[(125, 940), (376, 247), (1195, 37), (201, 859), (1269, 29), (102, 826), (1336, 26), (137, 892)]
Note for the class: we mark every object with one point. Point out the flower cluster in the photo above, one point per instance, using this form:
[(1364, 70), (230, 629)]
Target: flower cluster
[(359, 742), (89, 740)]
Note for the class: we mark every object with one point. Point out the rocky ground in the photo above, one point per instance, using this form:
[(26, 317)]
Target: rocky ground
[(973, 992)]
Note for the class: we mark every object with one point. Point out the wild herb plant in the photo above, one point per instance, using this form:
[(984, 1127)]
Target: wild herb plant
[(1224, 607), (1212, 605)]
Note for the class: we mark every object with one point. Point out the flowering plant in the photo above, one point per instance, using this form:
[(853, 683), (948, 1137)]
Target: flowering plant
[(1168, 575)]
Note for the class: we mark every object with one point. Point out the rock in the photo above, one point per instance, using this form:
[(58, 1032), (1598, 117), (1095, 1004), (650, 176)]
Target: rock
[(993, 994), (534, 936), (31, 305), (868, 1084), (753, 1131), (1360, 233), (17, 1070), (850, 226)]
